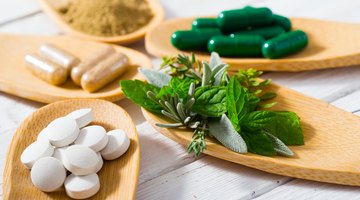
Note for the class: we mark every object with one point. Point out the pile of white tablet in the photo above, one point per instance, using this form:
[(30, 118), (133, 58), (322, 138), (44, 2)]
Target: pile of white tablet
[(67, 145)]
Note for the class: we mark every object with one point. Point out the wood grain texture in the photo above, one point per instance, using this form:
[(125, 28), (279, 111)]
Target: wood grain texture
[(331, 142), (49, 7), (17, 80), (118, 178), (331, 44)]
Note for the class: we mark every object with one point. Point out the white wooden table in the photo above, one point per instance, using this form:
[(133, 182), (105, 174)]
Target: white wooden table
[(167, 171)]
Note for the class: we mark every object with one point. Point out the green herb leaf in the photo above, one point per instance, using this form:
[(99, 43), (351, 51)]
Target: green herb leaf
[(279, 146), (258, 120), (286, 126), (215, 60), (268, 95), (156, 78), (236, 102), (136, 91), (206, 77), (210, 101), (176, 85), (258, 142), (225, 133)]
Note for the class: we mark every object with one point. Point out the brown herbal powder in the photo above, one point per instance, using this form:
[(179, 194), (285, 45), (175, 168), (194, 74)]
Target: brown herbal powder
[(107, 17)]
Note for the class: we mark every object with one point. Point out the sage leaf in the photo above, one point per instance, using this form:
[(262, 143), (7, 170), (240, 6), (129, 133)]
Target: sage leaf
[(156, 78), (225, 133), (279, 146), (210, 101), (236, 100), (215, 60), (136, 91), (206, 77)]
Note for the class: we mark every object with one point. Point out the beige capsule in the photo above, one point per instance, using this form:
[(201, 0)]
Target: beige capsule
[(45, 70), (90, 62), (59, 56), (104, 72)]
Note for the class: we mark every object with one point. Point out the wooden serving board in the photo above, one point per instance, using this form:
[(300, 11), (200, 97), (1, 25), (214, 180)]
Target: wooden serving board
[(17, 80), (118, 178), (331, 44), (331, 150)]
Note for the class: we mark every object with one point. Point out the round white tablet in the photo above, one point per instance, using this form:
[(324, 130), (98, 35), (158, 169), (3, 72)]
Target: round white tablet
[(80, 160), (43, 135), (83, 116), (62, 131), (59, 153), (35, 151), (117, 145), (48, 174), (82, 187), (94, 137), (100, 163)]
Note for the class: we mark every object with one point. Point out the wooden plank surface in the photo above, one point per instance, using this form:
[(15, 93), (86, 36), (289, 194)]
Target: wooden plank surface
[(167, 171)]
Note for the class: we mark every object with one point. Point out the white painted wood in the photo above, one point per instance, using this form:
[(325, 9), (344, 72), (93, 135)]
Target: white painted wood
[(350, 102), (13, 9)]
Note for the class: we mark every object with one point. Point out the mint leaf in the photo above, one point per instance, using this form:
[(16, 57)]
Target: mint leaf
[(176, 85), (258, 120), (258, 142), (225, 133), (155, 78), (210, 101), (136, 92), (236, 102), (286, 126)]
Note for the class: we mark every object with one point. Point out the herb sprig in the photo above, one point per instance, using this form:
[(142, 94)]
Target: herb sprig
[(202, 97)]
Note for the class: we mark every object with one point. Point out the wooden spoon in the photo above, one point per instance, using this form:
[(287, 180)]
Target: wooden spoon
[(331, 44), (17, 80), (50, 7), (118, 178), (331, 150)]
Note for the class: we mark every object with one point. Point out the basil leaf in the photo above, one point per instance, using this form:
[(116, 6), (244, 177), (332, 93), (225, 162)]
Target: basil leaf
[(210, 101), (236, 102), (155, 78), (258, 120), (136, 92), (259, 143), (279, 146), (225, 133), (176, 85), (286, 126)]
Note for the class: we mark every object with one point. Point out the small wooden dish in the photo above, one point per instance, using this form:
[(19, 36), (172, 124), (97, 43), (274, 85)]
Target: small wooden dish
[(331, 44), (118, 178), (50, 7), (17, 80), (330, 153)]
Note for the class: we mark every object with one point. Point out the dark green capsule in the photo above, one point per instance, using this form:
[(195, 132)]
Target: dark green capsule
[(204, 23), (193, 39), (240, 46), (282, 21), (285, 44), (265, 32), (231, 21)]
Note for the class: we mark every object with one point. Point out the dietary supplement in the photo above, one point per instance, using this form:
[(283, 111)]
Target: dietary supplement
[(282, 21), (285, 44), (193, 39), (58, 56), (204, 23), (265, 32)]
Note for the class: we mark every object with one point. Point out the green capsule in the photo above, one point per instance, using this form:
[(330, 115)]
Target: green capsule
[(231, 21), (204, 23), (193, 39), (282, 21), (285, 44), (265, 32), (240, 46)]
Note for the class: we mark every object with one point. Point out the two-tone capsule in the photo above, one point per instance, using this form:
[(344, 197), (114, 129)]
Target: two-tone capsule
[(285, 44), (204, 23), (238, 46), (196, 39), (234, 20), (265, 32)]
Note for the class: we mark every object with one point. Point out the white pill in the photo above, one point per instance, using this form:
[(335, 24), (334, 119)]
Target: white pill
[(35, 151), (82, 187), (80, 160), (117, 145), (43, 135), (94, 137), (62, 131), (83, 116), (99, 164), (48, 174), (59, 153)]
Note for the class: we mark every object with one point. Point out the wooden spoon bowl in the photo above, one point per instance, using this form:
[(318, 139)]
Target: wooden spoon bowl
[(331, 44), (50, 7), (330, 153), (118, 178), (17, 80)]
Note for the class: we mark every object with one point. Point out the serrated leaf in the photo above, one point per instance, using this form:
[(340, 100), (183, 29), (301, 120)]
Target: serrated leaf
[(210, 101), (258, 142), (225, 133), (279, 146), (236, 101), (258, 119), (156, 78), (176, 85), (214, 60)]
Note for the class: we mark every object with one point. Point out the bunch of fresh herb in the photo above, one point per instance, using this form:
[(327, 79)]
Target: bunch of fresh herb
[(201, 96)]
